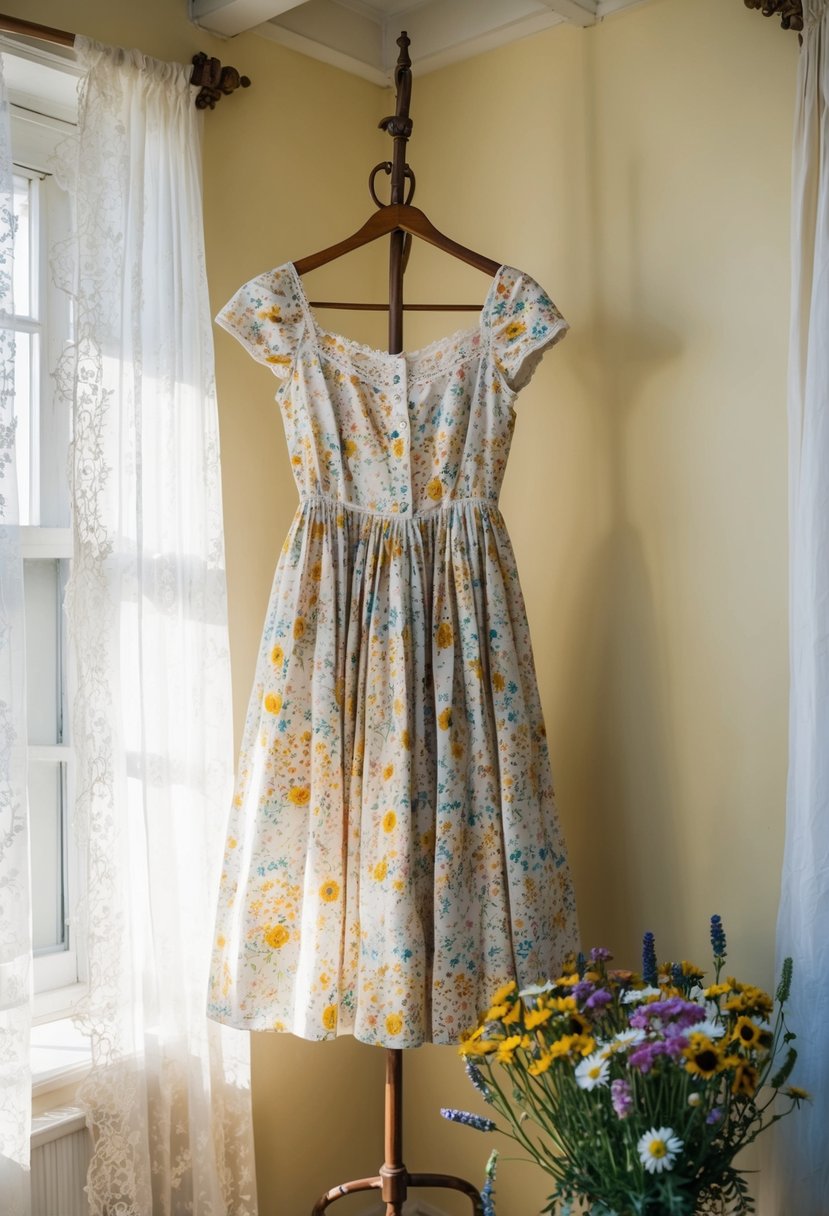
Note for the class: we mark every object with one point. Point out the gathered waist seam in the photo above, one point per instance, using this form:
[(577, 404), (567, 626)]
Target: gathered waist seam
[(329, 501)]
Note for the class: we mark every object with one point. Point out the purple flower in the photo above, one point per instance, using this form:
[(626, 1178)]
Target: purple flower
[(645, 1055), (583, 989), (650, 972), (675, 1041), (464, 1116), (476, 1077), (600, 954), (714, 1115), (675, 1009), (488, 1192), (598, 1000), (621, 1098), (717, 937)]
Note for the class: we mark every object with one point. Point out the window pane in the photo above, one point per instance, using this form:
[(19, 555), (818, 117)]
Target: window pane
[(44, 615), (22, 246), (48, 881), (26, 352)]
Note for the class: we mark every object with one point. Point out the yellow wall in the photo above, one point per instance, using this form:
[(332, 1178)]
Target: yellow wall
[(639, 170)]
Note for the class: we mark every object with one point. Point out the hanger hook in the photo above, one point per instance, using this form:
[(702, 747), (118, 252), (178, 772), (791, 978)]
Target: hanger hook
[(385, 166)]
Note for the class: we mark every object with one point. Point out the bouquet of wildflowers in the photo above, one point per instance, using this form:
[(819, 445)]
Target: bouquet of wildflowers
[(635, 1093)]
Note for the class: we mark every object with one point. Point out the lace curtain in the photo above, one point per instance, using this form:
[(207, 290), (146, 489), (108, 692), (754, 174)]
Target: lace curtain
[(168, 1098), (802, 1173), (15, 931)]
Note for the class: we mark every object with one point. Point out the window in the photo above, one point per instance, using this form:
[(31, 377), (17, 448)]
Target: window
[(42, 97)]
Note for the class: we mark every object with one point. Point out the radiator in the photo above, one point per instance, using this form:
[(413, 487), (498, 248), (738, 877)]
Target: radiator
[(61, 1150)]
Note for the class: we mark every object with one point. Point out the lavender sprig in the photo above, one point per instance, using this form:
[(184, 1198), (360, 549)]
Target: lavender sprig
[(717, 937), (468, 1119), (477, 1078), (650, 973), (488, 1192)]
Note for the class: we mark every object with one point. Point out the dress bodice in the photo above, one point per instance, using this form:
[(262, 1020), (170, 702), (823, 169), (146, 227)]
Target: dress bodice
[(397, 434)]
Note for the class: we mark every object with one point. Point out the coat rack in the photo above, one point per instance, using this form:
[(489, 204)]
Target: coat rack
[(393, 1180)]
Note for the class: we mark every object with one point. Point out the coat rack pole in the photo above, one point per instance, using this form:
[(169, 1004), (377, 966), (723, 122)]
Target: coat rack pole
[(394, 1180)]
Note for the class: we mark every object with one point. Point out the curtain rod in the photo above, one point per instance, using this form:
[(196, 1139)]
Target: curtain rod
[(212, 79)]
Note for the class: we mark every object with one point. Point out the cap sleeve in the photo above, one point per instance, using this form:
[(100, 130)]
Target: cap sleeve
[(524, 322), (267, 317)]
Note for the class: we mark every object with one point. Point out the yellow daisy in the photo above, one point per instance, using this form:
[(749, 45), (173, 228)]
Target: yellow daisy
[(394, 1023), (277, 656), (514, 330), (299, 795), (381, 870), (276, 936), (444, 636), (389, 821), (330, 890), (273, 702), (329, 1017), (445, 718), (434, 489)]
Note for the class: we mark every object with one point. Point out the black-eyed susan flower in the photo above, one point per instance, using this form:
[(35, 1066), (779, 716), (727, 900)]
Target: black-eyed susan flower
[(703, 1057), (747, 1033), (745, 1079), (329, 891)]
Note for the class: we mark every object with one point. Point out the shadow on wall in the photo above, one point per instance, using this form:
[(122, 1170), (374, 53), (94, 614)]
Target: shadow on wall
[(627, 772)]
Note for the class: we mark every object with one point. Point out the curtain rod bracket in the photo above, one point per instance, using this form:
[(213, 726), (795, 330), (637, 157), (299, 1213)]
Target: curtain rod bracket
[(789, 11), (213, 80)]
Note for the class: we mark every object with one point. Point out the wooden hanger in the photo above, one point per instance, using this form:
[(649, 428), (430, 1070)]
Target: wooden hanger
[(396, 217)]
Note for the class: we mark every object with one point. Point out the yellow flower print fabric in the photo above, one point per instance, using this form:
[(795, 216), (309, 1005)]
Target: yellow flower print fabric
[(393, 852)]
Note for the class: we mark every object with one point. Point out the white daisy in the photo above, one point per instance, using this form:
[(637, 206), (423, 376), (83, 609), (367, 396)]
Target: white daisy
[(709, 1027), (592, 1071), (536, 989), (658, 1149), (636, 995), (621, 1041)]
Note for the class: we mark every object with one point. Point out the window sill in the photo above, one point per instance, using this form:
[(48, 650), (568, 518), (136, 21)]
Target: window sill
[(60, 1055)]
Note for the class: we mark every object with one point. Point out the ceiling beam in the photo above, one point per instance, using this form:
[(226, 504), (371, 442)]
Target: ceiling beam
[(575, 12), (231, 17)]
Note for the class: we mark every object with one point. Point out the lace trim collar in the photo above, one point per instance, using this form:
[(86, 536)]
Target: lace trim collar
[(421, 365)]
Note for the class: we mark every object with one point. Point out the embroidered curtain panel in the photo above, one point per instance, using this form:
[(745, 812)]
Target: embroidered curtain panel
[(15, 917), (168, 1097), (802, 1173)]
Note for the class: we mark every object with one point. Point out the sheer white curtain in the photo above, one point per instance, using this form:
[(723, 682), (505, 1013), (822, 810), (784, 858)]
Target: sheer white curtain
[(168, 1098), (15, 918), (802, 1174)]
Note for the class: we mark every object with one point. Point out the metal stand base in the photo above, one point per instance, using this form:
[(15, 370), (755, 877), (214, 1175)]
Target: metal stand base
[(394, 1181)]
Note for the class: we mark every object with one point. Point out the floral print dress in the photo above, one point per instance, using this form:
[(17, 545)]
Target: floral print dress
[(394, 853)]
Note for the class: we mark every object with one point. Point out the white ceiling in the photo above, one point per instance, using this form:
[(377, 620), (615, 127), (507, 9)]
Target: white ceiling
[(360, 35)]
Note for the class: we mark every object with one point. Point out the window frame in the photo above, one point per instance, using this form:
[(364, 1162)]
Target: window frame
[(59, 974)]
